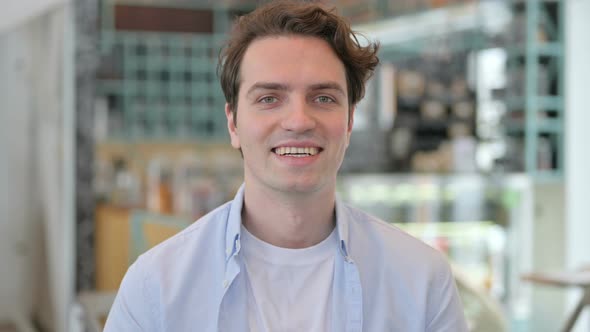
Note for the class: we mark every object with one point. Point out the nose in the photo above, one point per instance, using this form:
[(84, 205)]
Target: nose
[(299, 117)]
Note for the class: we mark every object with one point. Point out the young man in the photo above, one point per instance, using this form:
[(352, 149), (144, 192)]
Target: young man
[(285, 254)]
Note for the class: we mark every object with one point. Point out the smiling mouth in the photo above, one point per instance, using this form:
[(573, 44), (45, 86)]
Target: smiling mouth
[(296, 151)]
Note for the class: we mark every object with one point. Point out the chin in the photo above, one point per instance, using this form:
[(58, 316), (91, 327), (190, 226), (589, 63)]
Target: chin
[(304, 187)]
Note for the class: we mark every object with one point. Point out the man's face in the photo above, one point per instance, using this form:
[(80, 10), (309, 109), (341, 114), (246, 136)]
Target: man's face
[(293, 123)]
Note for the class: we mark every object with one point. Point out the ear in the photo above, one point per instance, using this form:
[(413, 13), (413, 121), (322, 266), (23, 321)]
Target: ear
[(351, 118), (350, 123), (231, 127)]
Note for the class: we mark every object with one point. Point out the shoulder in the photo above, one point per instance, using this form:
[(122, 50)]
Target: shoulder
[(195, 244), (380, 239), (401, 271), (191, 261)]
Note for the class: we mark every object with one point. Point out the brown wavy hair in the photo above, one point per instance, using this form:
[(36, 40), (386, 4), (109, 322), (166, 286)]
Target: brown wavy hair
[(304, 18)]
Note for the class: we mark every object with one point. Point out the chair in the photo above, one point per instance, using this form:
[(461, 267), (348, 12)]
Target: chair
[(482, 312), (579, 278)]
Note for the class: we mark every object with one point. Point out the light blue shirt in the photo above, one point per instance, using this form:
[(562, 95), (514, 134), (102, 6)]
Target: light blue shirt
[(384, 280)]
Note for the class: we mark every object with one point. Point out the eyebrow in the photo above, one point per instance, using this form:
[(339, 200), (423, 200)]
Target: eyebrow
[(267, 86), (284, 87), (328, 86)]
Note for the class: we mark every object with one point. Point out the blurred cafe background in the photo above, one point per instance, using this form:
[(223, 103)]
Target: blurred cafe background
[(472, 137)]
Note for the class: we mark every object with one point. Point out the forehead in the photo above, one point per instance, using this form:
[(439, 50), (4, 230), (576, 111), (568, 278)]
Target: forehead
[(293, 60)]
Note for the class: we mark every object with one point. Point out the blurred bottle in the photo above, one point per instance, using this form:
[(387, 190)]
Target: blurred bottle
[(104, 180), (187, 173), (126, 188), (159, 186)]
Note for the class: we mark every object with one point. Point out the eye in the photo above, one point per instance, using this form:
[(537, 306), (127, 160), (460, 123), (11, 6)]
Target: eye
[(268, 100), (325, 99)]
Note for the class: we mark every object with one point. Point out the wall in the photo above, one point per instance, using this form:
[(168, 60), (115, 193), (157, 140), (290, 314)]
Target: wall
[(548, 254), (15, 13), (36, 169), (19, 208), (577, 105)]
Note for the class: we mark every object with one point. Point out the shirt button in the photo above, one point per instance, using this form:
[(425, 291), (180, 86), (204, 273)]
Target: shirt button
[(225, 283), (228, 251)]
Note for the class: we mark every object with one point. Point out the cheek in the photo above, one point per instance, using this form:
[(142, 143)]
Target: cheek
[(251, 135), (342, 134), (339, 128)]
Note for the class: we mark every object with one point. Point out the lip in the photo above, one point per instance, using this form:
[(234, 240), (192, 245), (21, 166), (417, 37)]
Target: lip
[(298, 144)]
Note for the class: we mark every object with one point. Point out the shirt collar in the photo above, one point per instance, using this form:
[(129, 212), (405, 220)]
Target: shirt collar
[(234, 222), (232, 233), (342, 225)]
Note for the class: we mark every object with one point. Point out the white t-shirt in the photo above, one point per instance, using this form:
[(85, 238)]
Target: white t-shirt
[(289, 289)]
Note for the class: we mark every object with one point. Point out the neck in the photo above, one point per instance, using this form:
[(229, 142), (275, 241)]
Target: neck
[(289, 220)]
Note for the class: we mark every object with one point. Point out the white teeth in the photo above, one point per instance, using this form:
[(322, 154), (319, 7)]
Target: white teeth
[(296, 151)]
